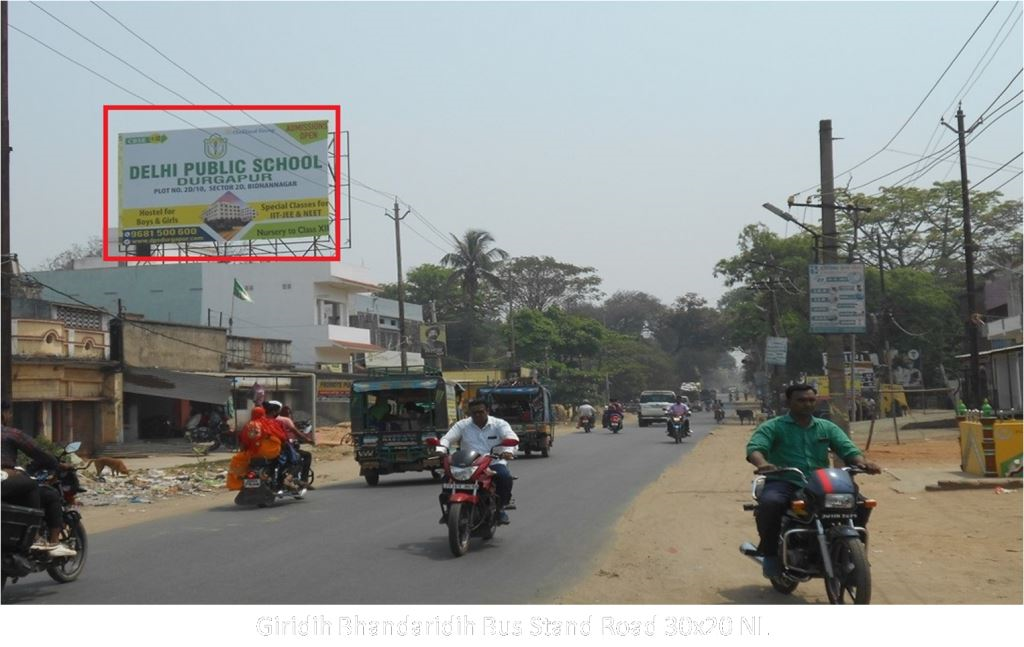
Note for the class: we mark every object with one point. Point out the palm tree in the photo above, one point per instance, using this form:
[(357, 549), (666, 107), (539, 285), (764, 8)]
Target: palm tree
[(473, 263)]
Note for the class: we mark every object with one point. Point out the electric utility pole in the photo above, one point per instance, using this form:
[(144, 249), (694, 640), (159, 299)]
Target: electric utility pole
[(830, 256), (401, 284), (971, 328), (6, 261)]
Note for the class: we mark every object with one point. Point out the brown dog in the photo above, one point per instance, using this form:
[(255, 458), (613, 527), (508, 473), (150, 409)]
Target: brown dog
[(116, 465)]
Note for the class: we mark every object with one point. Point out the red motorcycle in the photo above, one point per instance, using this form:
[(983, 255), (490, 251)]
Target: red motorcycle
[(615, 422), (469, 501)]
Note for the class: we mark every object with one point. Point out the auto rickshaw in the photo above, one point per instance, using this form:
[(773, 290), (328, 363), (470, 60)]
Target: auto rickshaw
[(527, 409), (392, 416)]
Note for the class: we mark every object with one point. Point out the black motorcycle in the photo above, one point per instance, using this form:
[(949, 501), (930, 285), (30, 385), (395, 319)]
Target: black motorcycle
[(22, 525), (719, 415), (260, 485), (678, 426), (823, 535)]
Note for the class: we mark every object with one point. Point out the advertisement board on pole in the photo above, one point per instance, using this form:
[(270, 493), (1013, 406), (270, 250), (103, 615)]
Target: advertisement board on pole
[(214, 185), (433, 340), (775, 351), (837, 299)]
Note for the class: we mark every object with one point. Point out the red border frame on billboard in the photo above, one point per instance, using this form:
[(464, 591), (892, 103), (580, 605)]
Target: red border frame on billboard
[(108, 108)]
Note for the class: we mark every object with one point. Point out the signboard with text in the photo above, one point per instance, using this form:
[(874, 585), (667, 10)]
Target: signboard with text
[(775, 351), (837, 299), (214, 185)]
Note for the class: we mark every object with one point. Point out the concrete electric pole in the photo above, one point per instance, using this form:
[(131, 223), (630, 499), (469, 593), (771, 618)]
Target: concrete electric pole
[(830, 256), (401, 284), (971, 328)]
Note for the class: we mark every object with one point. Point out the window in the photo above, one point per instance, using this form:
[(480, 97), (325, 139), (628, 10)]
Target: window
[(79, 318), (286, 286), (50, 338)]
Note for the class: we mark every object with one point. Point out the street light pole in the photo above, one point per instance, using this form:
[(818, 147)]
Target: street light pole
[(788, 217)]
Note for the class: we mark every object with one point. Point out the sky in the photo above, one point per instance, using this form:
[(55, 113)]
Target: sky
[(638, 139)]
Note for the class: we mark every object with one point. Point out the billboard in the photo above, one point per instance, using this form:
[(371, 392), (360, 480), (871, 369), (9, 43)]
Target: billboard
[(433, 340), (215, 185), (837, 298)]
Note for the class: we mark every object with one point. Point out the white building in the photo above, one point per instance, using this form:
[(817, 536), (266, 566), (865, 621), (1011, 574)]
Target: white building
[(312, 304)]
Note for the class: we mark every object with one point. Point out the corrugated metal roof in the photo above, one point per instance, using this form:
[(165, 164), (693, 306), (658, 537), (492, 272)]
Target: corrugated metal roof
[(162, 383)]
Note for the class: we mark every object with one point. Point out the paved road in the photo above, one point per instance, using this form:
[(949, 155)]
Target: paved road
[(353, 544)]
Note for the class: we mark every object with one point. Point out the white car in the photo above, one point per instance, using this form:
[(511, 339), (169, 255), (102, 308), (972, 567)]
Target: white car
[(653, 405)]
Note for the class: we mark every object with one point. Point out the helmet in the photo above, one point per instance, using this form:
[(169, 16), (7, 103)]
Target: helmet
[(586, 402), (272, 406)]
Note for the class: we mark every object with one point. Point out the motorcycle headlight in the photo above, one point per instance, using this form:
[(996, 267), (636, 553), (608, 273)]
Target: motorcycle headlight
[(463, 473), (369, 440), (838, 501)]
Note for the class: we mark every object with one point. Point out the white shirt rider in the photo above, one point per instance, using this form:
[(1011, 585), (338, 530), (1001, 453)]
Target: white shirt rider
[(587, 410), (481, 440)]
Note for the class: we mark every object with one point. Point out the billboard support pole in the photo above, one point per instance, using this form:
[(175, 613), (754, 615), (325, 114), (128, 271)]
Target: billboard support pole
[(6, 261)]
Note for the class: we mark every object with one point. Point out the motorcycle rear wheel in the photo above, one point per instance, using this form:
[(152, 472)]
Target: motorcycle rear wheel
[(458, 528), (852, 581), (67, 569)]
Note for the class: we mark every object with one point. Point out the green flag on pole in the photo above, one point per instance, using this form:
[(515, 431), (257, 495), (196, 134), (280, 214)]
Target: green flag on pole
[(241, 293)]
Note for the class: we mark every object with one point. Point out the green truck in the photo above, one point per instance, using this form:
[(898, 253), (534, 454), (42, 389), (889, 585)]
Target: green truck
[(393, 414), (527, 409)]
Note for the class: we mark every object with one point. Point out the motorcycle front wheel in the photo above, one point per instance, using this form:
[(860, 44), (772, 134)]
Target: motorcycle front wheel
[(458, 528), (67, 569), (852, 581)]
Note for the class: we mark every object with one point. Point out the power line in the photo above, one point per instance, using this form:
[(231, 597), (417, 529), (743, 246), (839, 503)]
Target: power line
[(194, 77), (183, 97), (982, 180), (130, 322), (919, 105), (1008, 181)]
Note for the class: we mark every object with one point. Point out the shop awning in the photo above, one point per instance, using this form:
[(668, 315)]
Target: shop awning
[(162, 383)]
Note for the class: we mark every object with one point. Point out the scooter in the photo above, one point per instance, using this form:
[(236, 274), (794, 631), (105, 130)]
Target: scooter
[(615, 422)]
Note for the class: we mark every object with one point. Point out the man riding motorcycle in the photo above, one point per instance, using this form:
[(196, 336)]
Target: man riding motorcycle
[(585, 411), (615, 406), (800, 440), (21, 489), (290, 452), (678, 409), (481, 432)]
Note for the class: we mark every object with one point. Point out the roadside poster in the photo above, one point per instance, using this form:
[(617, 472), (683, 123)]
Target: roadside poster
[(333, 390), (837, 299), (775, 351), (237, 183)]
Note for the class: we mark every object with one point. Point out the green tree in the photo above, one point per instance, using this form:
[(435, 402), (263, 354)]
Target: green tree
[(426, 284), (631, 312), (474, 262), (539, 282)]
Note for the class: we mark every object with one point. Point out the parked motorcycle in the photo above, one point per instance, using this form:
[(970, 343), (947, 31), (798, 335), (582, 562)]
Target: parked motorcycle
[(615, 422), (259, 487), (469, 500), (587, 422), (22, 525), (198, 431), (822, 535)]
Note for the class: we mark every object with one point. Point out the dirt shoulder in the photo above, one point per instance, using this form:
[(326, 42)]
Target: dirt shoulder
[(679, 542), (332, 465)]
